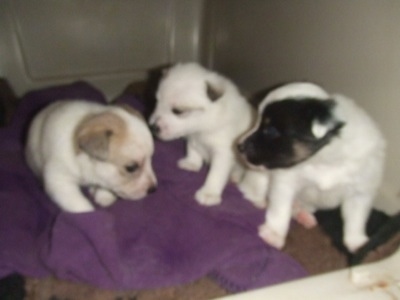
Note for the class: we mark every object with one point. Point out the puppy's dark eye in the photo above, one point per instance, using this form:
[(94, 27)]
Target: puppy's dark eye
[(271, 132), (132, 168), (177, 111)]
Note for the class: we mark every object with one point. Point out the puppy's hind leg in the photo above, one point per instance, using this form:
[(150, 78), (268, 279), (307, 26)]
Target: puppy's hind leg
[(304, 215), (303, 209), (305, 218)]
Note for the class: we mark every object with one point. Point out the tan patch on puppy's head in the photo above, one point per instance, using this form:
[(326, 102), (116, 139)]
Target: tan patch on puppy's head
[(120, 152), (94, 133)]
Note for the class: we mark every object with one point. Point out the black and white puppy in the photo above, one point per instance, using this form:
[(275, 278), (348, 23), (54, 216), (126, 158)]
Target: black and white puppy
[(321, 151)]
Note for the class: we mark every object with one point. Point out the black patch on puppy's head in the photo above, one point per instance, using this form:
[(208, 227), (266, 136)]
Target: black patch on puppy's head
[(290, 131)]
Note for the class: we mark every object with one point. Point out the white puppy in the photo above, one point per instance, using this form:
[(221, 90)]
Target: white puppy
[(322, 151), (209, 111), (79, 143)]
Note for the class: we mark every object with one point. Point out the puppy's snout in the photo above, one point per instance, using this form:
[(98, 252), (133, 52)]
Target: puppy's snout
[(155, 129), (152, 189)]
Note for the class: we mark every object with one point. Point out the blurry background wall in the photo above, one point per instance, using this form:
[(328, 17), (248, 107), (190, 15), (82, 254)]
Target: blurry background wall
[(109, 43)]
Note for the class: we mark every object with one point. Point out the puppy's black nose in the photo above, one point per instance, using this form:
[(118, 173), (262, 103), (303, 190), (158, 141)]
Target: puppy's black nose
[(152, 189), (155, 129)]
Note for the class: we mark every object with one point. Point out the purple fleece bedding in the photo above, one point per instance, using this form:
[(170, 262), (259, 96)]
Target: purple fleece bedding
[(164, 239)]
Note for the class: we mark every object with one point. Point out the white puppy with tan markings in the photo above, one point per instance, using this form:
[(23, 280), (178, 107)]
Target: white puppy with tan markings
[(79, 143), (209, 111), (321, 151)]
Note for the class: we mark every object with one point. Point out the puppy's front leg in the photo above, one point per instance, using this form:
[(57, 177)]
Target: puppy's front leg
[(254, 187), (66, 193), (193, 160), (217, 177), (355, 212), (278, 216)]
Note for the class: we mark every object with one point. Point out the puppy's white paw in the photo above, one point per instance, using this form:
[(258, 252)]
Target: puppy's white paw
[(271, 237), (189, 165), (207, 198), (102, 197), (355, 242)]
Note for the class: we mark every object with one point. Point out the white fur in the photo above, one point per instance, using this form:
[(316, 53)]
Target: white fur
[(294, 90), (211, 129), (52, 155), (347, 172)]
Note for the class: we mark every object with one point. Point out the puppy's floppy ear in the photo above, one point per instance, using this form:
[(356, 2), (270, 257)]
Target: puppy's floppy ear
[(326, 123), (96, 144), (93, 135), (214, 92)]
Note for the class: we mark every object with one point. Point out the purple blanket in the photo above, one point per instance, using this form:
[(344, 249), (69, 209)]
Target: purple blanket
[(164, 239)]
